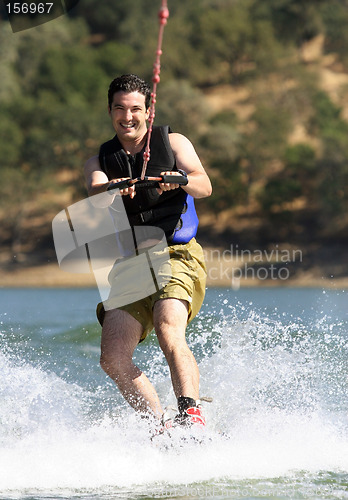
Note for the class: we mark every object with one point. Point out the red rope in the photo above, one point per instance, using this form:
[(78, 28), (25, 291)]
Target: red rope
[(163, 15)]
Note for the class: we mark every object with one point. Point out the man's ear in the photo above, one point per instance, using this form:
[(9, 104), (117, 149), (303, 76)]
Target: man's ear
[(147, 114), (109, 110)]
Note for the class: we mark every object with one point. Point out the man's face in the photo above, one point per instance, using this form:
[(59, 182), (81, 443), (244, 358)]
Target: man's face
[(129, 114)]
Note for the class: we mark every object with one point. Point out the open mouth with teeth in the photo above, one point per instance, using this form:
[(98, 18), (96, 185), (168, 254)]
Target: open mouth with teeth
[(127, 125)]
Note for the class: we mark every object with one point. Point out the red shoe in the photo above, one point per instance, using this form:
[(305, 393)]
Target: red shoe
[(190, 416), (196, 417), (190, 413)]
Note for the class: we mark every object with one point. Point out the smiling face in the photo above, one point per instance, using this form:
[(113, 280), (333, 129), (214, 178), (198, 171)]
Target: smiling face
[(129, 114)]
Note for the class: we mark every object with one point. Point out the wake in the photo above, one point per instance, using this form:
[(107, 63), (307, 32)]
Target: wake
[(279, 407)]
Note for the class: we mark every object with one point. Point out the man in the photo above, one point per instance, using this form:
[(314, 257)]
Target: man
[(169, 310)]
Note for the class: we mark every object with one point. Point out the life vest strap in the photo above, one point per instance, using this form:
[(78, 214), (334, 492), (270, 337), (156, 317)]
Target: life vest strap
[(152, 215)]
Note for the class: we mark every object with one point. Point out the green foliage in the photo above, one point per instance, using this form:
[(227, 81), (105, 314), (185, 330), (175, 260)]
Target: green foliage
[(114, 58), (228, 191), (182, 107), (32, 45), (220, 147), (332, 173), (335, 18), (294, 21), (55, 78), (272, 127), (326, 114), (279, 191), (231, 30), (8, 54), (292, 182), (72, 70), (300, 158), (11, 139), (266, 141)]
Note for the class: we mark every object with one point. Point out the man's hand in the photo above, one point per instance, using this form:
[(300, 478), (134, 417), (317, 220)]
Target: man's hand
[(130, 190), (163, 186)]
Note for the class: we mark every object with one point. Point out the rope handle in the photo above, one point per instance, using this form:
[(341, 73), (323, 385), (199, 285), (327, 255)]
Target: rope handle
[(150, 181)]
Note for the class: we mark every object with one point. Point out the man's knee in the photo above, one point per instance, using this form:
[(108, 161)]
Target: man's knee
[(114, 363), (170, 314), (108, 364), (174, 348), (120, 336)]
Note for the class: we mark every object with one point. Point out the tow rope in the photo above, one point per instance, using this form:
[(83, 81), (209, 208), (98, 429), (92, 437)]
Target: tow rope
[(163, 15)]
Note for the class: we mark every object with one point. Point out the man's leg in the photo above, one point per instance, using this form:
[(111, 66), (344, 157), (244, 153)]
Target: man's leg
[(120, 336), (170, 321)]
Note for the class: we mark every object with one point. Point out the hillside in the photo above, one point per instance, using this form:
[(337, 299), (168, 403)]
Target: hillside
[(261, 89), (332, 78)]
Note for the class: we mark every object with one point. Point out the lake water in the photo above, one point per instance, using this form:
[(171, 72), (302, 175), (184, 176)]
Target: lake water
[(275, 362)]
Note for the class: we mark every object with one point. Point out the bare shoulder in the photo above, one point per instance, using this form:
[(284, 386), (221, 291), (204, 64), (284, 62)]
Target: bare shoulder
[(179, 141), (186, 159), (92, 164), (94, 176), (185, 153)]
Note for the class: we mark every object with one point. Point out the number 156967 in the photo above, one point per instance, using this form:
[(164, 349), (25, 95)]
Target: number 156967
[(29, 8)]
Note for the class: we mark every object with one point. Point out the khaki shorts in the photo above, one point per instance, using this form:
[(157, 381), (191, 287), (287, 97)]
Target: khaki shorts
[(187, 282)]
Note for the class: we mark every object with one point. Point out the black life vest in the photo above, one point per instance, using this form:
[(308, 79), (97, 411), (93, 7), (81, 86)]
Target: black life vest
[(172, 211)]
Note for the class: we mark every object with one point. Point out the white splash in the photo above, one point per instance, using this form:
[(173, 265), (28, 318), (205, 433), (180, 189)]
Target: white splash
[(276, 411)]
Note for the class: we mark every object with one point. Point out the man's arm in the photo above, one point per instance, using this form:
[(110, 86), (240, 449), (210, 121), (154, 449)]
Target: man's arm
[(97, 181), (199, 185)]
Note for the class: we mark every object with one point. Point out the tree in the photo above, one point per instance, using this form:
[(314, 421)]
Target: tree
[(335, 18), (294, 21), (332, 172), (182, 107), (293, 181)]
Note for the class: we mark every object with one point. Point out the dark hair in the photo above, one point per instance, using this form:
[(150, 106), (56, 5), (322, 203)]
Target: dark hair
[(129, 83)]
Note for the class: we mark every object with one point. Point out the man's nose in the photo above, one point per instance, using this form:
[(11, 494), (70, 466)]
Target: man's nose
[(129, 115)]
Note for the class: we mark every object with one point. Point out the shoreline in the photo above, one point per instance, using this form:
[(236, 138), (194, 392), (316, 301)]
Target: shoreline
[(220, 274)]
